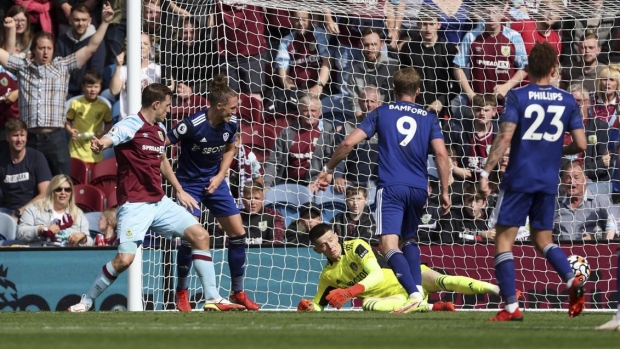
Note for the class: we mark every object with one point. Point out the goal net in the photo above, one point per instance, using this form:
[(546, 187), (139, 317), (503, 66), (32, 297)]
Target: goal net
[(345, 52)]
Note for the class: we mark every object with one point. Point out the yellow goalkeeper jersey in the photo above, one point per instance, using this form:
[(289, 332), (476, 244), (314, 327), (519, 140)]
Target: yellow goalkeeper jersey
[(353, 268)]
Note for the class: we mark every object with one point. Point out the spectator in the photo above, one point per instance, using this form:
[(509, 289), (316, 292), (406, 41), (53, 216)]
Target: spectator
[(472, 139), (375, 69), (24, 174), (107, 227), (22, 31), (76, 38), (88, 116), (244, 168), (346, 34), (606, 98), (596, 159), (455, 18), (39, 13), (496, 57), (63, 11), (9, 108), (186, 102), (360, 166), (466, 223), (190, 57), (150, 73), (241, 59), (581, 215), (589, 70), (432, 58), (154, 26), (43, 84), (540, 26), (297, 231), (117, 31), (303, 58), (263, 225), (55, 220), (357, 222), (290, 159)]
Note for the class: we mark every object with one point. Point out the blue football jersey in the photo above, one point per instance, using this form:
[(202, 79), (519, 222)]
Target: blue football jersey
[(202, 147), (405, 131), (543, 114)]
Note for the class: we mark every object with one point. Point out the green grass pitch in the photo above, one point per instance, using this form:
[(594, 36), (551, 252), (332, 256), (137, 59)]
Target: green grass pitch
[(292, 330)]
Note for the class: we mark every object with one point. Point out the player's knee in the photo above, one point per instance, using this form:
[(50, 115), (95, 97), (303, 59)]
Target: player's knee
[(196, 235)]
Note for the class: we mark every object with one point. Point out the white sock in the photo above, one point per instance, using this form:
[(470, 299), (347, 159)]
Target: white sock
[(417, 296), (104, 280), (512, 307), (203, 264)]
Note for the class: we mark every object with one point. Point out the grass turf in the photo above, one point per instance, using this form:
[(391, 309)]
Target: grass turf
[(171, 330)]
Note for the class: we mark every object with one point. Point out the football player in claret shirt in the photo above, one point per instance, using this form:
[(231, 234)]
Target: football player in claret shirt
[(207, 150), (407, 133), (139, 145), (533, 125), (355, 269)]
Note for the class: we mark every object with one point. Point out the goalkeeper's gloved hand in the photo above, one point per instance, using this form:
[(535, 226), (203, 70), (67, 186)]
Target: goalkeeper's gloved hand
[(305, 305), (338, 297)]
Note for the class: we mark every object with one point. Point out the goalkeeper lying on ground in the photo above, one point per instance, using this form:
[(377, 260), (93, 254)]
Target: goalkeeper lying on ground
[(354, 269)]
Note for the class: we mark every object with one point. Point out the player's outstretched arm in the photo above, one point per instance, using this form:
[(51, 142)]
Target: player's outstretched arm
[(97, 145), (500, 144), (578, 144)]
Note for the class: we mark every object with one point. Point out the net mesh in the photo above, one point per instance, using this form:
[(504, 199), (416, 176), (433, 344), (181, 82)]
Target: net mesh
[(251, 42)]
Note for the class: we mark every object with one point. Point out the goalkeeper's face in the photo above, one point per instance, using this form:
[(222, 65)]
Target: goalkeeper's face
[(329, 246)]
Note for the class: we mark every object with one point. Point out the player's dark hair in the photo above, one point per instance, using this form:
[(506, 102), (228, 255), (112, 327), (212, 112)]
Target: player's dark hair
[(80, 7), (482, 100), (155, 93), (318, 231), (41, 35), (219, 91), (406, 82), (13, 125), (373, 30), (354, 190), (91, 77), (543, 58)]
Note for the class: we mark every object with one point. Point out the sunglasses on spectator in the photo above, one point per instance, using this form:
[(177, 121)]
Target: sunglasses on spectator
[(66, 189)]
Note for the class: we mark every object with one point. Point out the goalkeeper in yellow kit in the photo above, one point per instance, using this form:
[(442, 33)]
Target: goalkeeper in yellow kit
[(354, 270)]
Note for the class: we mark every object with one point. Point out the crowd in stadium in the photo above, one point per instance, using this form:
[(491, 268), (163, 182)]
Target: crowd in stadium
[(306, 79)]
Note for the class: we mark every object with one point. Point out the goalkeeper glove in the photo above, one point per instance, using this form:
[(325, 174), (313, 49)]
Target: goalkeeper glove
[(338, 297), (305, 305)]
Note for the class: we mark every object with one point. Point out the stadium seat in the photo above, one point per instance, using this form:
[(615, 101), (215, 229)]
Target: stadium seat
[(111, 200), (80, 171), (89, 198), (250, 109), (93, 222), (290, 193), (8, 227), (329, 196), (104, 175)]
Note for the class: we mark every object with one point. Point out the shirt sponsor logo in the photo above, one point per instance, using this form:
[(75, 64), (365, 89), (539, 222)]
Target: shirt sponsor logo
[(154, 148)]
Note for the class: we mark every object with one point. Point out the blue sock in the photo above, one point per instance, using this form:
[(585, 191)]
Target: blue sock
[(505, 274), (558, 261), (412, 254), (236, 260), (184, 265), (206, 272), (397, 261)]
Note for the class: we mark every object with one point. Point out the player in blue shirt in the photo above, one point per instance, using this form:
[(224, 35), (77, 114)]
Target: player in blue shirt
[(406, 133), (533, 125), (207, 149)]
